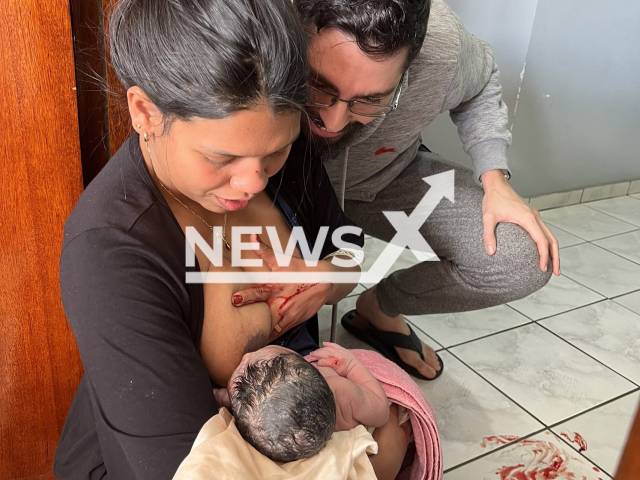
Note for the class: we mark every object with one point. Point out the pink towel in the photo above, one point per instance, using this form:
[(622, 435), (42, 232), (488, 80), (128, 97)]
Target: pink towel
[(401, 389)]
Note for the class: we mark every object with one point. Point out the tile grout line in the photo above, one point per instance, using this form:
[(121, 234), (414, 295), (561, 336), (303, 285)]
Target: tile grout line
[(627, 308), (492, 334), (498, 389), (588, 355), (566, 231), (611, 252), (497, 449), (595, 407), (563, 440), (612, 236), (624, 294), (586, 204), (636, 228), (585, 286), (572, 309)]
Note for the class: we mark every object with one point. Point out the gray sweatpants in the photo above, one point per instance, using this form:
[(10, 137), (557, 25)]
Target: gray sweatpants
[(466, 277)]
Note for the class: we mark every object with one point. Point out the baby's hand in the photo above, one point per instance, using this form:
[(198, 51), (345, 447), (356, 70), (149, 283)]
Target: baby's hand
[(333, 356)]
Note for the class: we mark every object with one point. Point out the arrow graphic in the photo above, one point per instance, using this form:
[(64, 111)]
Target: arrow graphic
[(408, 228)]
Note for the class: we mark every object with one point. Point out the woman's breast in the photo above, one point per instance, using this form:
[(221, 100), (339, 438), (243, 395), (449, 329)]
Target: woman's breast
[(228, 331)]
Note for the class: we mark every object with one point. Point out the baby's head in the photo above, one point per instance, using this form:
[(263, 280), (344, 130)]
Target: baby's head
[(282, 404)]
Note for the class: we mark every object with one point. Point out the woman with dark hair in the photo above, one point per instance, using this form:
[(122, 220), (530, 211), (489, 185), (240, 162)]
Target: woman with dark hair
[(215, 90)]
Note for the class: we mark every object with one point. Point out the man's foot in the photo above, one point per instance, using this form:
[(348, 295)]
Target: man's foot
[(369, 312)]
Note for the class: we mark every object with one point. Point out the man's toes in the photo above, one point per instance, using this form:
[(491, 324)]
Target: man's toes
[(413, 358), (426, 370), (430, 357)]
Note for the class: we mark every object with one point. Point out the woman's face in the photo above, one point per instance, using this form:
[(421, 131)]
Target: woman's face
[(222, 164)]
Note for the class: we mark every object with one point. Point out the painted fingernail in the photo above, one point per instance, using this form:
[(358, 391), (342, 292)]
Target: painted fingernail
[(236, 299)]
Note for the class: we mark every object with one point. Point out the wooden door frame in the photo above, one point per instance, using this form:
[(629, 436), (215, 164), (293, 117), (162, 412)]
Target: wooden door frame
[(102, 111)]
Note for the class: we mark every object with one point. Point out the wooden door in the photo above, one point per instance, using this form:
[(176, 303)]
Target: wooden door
[(629, 468), (40, 182)]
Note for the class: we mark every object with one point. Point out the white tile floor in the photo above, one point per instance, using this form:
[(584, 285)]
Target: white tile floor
[(525, 382)]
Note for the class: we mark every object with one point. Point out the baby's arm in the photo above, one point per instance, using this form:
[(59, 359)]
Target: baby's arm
[(360, 399)]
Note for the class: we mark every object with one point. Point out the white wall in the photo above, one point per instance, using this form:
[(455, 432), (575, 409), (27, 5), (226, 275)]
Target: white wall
[(578, 115)]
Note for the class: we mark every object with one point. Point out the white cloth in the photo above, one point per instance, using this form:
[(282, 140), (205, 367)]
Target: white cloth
[(220, 453)]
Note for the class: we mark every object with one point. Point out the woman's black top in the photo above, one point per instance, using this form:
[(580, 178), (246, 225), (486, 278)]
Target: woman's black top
[(145, 393)]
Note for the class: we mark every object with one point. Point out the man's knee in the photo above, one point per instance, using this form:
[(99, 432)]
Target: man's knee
[(519, 261)]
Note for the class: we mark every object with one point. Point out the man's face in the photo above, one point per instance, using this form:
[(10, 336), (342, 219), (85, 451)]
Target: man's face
[(338, 66)]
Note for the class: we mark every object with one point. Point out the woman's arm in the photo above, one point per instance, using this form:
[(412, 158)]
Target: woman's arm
[(150, 393), (228, 332)]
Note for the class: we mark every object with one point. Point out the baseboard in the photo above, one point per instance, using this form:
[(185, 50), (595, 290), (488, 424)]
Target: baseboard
[(589, 194)]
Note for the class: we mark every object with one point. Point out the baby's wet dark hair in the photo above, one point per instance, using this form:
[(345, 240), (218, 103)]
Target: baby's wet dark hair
[(284, 407)]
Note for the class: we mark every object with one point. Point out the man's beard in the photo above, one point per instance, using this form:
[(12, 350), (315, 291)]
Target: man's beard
[(328, 148)]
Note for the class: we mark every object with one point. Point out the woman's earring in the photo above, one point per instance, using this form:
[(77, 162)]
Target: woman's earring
[(145, 137), (138, 126)]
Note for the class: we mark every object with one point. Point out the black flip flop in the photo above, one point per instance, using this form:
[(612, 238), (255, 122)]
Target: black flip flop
[(385, 341)]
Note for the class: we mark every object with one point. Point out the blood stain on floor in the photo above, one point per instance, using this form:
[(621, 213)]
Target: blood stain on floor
[(577, 439), (538, 459), (498, 440)]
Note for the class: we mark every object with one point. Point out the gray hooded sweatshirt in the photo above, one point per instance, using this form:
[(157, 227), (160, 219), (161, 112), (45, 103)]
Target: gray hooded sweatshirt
[(455, 72)]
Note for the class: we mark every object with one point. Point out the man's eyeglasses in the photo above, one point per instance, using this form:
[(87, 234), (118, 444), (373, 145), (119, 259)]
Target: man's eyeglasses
[(320, 98)]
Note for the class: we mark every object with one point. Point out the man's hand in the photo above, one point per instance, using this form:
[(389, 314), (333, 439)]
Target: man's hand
[(333, 356), (290, 304), (502, 204)]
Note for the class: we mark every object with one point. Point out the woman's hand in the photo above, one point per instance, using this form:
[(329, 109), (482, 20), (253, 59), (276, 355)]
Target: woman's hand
[(290, 304)]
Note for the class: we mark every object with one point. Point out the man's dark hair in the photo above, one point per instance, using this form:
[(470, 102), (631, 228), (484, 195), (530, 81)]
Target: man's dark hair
[(284, 407), (380, 27), (210, 58)]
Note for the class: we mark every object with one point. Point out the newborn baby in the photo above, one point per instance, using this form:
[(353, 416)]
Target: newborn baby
[(288, 406)]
